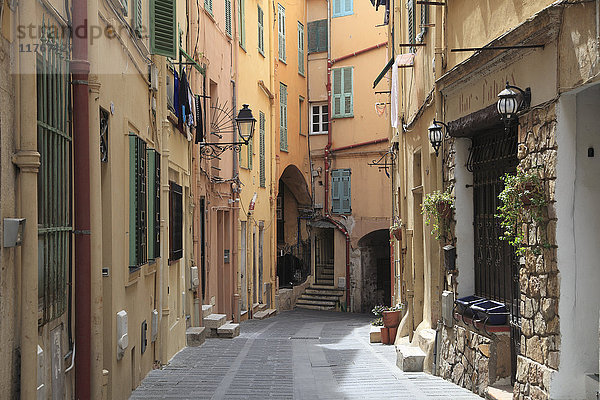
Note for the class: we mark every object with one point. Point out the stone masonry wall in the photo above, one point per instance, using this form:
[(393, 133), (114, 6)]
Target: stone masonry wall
[(473, 360), (539, 276)]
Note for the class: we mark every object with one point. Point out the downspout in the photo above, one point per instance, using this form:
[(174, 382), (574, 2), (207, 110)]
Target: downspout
[(27, 159), (359, 52), (80, 68), (235, 224), (361, 144)]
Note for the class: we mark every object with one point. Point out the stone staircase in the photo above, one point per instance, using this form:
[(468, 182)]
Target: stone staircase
[(319, 297), (324, 274), (216, 325), (261, 311)]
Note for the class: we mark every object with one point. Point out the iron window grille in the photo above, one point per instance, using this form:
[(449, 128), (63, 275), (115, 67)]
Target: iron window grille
[(175, 221)]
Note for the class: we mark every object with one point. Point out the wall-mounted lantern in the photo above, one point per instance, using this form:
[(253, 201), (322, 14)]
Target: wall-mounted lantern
[(511, 102), (245, 124), (13, 231), (436, 135)]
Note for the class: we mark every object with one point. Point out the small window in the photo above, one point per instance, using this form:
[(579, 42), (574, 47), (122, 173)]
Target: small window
[(283, 125), (281, 30), (175, 221), (261, 31), (300, 48), (319, 119), (342, 8), (317, 36)]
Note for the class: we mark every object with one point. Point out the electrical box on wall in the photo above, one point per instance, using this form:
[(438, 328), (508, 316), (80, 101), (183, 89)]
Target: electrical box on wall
[(194, 279), (122, 337), (342, 282), (448, 308)]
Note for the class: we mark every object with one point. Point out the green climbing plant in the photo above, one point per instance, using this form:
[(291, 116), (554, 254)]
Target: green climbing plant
[(437, 207)]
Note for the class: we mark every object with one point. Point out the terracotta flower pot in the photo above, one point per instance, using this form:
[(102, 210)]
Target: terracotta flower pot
[(391, 319), (393, 335), (385, 335)]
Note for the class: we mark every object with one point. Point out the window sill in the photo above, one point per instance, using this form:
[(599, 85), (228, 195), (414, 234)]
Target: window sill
[(318, 133), (343, 116), (342, 15), (284, 150), (302, 74), (243, 48), (262, 53), (282, 61), (134, 276)]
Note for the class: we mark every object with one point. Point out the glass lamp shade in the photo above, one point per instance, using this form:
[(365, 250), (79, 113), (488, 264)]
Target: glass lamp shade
[(507, 104), (435, 136), (245, 123)]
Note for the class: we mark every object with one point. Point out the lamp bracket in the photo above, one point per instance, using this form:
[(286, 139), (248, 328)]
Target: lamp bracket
[(525, 96), (383, 163)]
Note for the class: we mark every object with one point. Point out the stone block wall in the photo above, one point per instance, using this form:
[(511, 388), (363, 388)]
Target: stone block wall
[(539, 275), (474, 360)]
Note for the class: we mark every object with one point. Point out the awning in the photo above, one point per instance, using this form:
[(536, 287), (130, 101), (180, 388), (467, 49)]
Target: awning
[(404, 61)]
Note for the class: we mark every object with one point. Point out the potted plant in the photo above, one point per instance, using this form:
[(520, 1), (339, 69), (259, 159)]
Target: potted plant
[(523, 200), (391, 316), (437, 208)]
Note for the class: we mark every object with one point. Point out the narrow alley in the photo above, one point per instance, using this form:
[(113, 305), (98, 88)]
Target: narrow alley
[(299, 354)]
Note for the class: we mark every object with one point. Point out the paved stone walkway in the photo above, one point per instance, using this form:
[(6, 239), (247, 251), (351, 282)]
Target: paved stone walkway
[(298, 354)]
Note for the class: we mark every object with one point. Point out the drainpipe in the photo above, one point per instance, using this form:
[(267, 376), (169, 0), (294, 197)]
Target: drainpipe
[(330, 128), (27, 159), (361, 144), (80, 68), (356, 53)]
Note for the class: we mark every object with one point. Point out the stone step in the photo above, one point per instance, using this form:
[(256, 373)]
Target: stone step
[(261, 315), (375, 334), (254, 308), (207, 309), (214, 321), (313, 307), (228, 330), (244, 315), (321, 290), (326, 297), (324, 282), (410, 358), (262, 307), (316, 302), (504, 392), (195, 336)]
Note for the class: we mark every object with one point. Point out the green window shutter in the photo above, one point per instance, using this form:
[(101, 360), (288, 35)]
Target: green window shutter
[(283, 117), (335, 191), (317, 36), (175, 221), (300, 48), (343, 101), (208, 6), (281, 30), (242, 24), (228, 17), (151, 193), (132, 201), (250, 152), (261, 130), (162, 28), (345, 192), (125, 6), (261, 31), (137, 18)]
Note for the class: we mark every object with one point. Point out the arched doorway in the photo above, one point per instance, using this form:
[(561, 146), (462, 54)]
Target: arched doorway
[(375, 269)]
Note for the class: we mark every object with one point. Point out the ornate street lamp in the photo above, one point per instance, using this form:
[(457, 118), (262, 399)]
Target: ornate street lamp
[(509, 103), (436, 135), (245, 123)]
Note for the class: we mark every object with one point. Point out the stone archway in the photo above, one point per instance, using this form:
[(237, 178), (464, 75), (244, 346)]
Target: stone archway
[(375, 275)]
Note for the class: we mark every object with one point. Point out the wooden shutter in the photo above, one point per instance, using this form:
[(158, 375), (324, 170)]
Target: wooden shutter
[(228, 17), (132, 201), (156, 216), (137, 18), (138, 240), (125, 7), (347, 91), (153, 204), (300, 48), (208, 6), (162, 28), (242, 23), (283, 117), (281, 30), (322, 35), (335, 191), (175, 221), (337, 92), (261, 130), (345, 194), (261, 31), (410, 5)]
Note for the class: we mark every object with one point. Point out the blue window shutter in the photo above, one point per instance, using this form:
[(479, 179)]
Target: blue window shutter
[(346, 199), (261, 30), (283, 145), (300, 48), (281, 30), (337, 8), (335, 191), (242, 13), (343, 96)]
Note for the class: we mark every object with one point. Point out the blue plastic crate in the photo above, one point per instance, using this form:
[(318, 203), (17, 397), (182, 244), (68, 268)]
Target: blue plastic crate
[(491, 312), (463, 305)]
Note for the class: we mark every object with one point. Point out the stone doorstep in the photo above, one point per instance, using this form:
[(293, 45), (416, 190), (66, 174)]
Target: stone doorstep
[(504, 392), (375, 334), (262, 307), (195, 336), (213, 321), (410, 358), (207, 309), (244, 315), (228, 330), (272, 311)]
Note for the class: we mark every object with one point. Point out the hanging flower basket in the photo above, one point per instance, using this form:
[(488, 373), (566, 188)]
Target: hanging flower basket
[(437, 207), (444, 209)]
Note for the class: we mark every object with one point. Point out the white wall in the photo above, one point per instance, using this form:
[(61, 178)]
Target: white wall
[(464, 221), (578, 239)]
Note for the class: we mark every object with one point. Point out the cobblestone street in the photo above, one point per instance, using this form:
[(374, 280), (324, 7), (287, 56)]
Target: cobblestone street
[(298, 354)]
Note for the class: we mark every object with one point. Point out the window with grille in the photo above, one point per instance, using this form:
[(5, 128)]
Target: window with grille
[(162, 28), (138, 194), (317, 36), (319, 119), (261, 132), (341, 202), (54, 143), (343, 101), (261, 31), (342, 8), (281, 30), (300, 48), (228, 17), (175, 221), (283, 145)]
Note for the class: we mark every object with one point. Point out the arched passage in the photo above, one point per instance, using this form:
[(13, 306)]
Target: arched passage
[(293, 240), (376, 276)]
